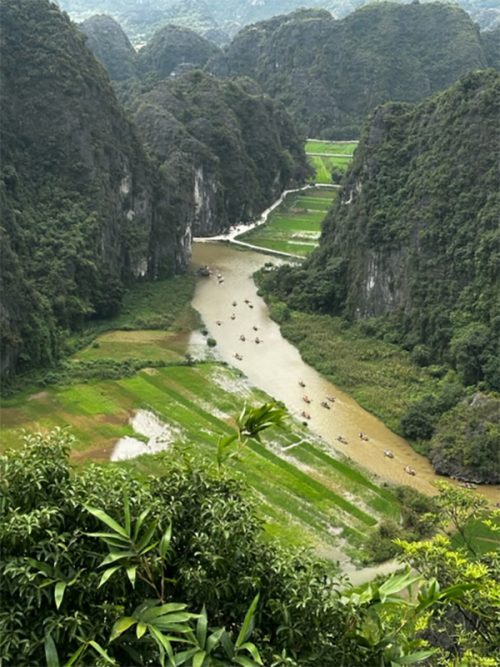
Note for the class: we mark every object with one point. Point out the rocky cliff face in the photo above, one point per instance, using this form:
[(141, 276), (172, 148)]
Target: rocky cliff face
[(228, 150), (84, 209)]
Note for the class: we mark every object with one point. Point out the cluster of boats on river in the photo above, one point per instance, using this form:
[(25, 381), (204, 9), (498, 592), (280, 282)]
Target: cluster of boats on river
[(325, 403)]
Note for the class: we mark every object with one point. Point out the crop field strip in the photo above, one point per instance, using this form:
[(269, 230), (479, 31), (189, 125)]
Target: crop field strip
[(303, 485), (295, 226), (327, 155)]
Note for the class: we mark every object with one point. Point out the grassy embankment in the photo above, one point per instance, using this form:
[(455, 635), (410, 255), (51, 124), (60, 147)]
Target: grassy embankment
[(325, 156), (295, 226), (303, 491)]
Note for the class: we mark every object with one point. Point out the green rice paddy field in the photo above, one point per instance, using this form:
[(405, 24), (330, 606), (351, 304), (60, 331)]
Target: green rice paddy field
[(295, 226), (305, 494), (327, 155)]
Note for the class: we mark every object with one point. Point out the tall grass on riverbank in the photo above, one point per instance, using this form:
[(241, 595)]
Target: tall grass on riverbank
[(379, 375)]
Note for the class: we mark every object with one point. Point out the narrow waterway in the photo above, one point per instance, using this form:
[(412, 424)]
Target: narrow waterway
[(275, 366)]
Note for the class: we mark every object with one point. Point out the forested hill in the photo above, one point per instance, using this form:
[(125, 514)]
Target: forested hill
[(412, 246), (414, 234), (111, 46), (174, 48), (227, 150), (330, 74), (81, 203)]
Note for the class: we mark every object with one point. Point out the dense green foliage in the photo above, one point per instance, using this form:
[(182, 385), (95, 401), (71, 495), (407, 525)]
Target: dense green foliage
[(173, 48), (111, 46), (81, 203), (226, 149), (412, 245), (330, 74), (86, 556)]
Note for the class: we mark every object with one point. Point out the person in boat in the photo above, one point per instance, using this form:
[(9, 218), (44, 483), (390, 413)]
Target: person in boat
[(388, 453), (242, 337), (306, 399)]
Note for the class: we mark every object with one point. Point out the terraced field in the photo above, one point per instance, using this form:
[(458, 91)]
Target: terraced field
[(295, 226), (327, 155)]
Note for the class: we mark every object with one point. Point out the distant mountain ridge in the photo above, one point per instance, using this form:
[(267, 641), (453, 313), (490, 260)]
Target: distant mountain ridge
[(220, 20), (329, 74)]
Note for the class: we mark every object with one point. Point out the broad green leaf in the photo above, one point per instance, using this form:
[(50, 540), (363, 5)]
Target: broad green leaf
[(149, 612), (252, 649), (184, 656), (397, 583), (109, 521), (418, 656), (131, 572), (121, 625), (76, 655), (140, 629), (163, 641), (116, 555), (248, 623), (59, 589), (165, 542), (113, 539), (126, 513), (146, 538), (41, 567), (214, 639), (245, 662), (139, 522), (102, 652), (201, 628), (107, 574), (199, 658), (51, 652)]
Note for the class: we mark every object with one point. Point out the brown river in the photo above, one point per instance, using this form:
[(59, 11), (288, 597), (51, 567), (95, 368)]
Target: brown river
[(276, 367)]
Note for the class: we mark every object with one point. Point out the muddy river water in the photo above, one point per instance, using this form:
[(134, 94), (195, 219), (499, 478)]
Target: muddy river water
[(275, 366)]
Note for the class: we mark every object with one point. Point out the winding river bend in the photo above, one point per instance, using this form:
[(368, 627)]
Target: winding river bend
[(275, 366)]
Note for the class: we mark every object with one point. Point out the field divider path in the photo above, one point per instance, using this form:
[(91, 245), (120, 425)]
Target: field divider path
[(242, 228)]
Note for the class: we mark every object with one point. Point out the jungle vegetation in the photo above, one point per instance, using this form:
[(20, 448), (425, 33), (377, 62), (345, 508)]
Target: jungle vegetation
[(105, 566), (410, 251)]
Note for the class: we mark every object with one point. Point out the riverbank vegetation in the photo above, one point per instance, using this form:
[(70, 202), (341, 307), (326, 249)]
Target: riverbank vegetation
[(295, 226)]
